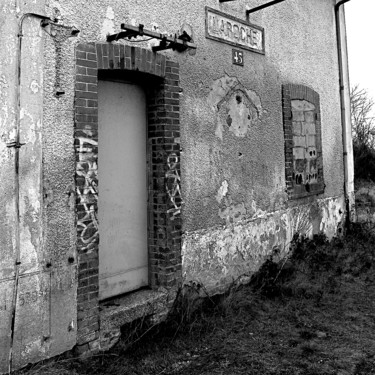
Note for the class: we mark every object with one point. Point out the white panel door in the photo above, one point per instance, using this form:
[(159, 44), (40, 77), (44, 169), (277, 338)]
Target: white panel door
[(122, 199)]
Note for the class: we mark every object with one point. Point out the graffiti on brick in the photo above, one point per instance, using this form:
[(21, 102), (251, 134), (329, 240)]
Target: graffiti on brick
[(173, 184), (87, 193)]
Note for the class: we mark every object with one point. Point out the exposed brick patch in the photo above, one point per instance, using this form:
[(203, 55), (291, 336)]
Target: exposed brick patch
[(164, 154), (303, 145)]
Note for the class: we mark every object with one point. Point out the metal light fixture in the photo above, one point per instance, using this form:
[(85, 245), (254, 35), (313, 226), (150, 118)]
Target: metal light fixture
[(263, 6), (179, 43)]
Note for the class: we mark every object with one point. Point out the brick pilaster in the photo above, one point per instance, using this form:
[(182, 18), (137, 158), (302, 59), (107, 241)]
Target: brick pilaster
[(164, 144), (86, 145)]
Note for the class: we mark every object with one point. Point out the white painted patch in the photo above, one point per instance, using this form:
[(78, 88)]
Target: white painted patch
[(332, 214), (108, 26), (34, 201), (110, 14), (34, 86), (219, 129), (3, 81), (256, 210), (12, 134), (222, 192), (31, 346), (8, 58), (240, 116), (32, 130)]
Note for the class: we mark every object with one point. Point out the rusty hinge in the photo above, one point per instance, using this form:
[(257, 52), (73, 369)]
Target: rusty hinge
[(15, 144)]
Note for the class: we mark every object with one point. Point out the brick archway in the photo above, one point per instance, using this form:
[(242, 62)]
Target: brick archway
[(164, 157)]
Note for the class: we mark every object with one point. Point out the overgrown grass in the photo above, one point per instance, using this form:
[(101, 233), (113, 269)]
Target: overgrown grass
[(364, 162), (311, 313)]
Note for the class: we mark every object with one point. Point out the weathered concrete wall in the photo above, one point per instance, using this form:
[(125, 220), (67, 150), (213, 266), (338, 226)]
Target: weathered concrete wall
[(224, 255), (233, 179), (45, 307), (295, 53), (235, 207), (8, 29)]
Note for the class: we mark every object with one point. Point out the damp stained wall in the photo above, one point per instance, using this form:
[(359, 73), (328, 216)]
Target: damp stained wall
[(46, 300), (235, 209), (8, 28), (233, 178)]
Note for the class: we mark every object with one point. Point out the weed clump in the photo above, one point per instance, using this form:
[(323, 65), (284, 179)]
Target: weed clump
[(364, 162), (313, 265), (270, 280)]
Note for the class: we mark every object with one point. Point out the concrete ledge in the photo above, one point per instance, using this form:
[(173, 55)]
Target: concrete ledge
[(143, 303)]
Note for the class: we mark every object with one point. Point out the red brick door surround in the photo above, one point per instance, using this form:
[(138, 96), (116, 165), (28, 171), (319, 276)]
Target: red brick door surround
[(161, 75)]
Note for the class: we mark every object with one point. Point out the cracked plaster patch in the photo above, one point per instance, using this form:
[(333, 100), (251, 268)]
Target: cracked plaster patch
[(232, 213), (237, 108), (222, 192)]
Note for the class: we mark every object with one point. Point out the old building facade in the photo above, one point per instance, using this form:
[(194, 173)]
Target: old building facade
[(128, 171)]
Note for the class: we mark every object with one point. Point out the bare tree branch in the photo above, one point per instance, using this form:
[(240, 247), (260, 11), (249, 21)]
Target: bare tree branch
[(363, 120)]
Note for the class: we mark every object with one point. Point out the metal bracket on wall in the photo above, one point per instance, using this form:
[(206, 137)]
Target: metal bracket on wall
[(263, 6), (179, 43), (15, 144)]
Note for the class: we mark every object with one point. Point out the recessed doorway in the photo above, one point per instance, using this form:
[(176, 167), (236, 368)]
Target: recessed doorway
[(122, 179)]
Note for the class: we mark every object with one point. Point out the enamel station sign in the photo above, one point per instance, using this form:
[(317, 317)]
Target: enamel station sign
[(231, 30)]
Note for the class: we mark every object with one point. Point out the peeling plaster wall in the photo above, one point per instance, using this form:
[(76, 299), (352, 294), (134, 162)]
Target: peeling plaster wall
[(46, 307), (300, 48), (8, 28), (221, 256), (233, 142)]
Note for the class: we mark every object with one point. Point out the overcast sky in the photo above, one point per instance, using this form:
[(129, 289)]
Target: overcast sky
[(360, 25)]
